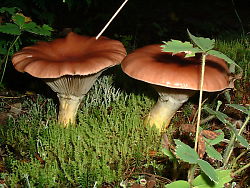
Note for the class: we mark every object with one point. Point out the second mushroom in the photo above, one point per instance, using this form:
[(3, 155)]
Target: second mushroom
[(69, 66), (174, 77)]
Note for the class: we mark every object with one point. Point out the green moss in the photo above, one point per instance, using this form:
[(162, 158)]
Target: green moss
[(238, 50), (109, 134)]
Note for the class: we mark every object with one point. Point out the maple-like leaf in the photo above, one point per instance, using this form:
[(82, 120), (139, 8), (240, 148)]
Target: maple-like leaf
[(176, 46)]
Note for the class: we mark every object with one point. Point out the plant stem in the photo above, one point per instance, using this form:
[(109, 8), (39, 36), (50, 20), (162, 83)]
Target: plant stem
[(200, 101), (209, 118), (237, 158), (244, 124), (6, 58), (228, 151), (241, 169), (191, 173), (175, 172), (230, 146), (193, 167), (195, 115)]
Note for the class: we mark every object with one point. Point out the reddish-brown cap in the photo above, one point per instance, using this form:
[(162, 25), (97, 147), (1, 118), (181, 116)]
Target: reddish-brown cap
[(73, 55), (151, 65)]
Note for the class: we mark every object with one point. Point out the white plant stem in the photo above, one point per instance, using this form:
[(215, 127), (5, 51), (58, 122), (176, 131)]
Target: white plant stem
[(111, 19), (193, 167), (200, 101)]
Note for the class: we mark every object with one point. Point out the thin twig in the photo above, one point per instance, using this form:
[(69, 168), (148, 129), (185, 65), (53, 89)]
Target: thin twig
[(16, 97), (111, 19), (207, 119)]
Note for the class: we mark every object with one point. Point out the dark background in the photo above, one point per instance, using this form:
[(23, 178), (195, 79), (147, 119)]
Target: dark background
[(147, 21), (139, 23)]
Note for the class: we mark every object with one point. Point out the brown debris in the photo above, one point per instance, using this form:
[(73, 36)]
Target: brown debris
[(201, 146), (188, 128), (209, 134)]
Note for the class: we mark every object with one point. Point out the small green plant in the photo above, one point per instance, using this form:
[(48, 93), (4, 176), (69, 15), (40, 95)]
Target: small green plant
[(15, 25), (209, 177), (235, 134)]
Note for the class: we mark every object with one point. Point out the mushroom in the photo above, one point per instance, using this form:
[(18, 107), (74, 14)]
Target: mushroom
[(174, 77), (69, 66)]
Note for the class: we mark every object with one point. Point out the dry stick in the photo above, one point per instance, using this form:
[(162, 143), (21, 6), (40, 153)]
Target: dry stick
[(111, 19), (195, 115)]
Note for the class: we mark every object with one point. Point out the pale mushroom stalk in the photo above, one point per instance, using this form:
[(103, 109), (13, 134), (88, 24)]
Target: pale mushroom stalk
[(68, 109), (70, 91), (169, 101)]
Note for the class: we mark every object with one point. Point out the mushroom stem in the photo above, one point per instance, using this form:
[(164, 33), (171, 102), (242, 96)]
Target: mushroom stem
[(67, 109), (169, 101)]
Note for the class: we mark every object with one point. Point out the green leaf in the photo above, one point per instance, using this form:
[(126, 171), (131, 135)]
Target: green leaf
[(217, 140), (223, 118), (32, 27), (176, 46), (46, 27), (240, 108), (170, 155), (203, 43), (185, 152), (213, 153), (223, 56), (18, 19), (240, 138), (11, 10), (3, 47), (178, 184), (208, 170), (11, 29), (202, 181)]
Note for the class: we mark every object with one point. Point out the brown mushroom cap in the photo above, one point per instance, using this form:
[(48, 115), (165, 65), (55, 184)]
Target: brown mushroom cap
[(151, 65), (73, 55)]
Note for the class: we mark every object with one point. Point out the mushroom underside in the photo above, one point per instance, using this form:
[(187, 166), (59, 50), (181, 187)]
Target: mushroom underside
[(70, 91)]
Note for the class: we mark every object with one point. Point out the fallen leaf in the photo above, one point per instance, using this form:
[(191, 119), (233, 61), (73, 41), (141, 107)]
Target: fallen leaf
[(201, 146), (188, 128), (209, 134)]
